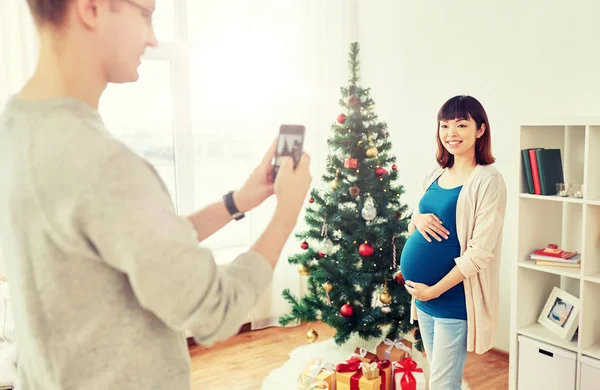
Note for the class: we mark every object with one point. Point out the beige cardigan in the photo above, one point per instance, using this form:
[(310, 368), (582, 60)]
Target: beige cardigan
[(480, 213)]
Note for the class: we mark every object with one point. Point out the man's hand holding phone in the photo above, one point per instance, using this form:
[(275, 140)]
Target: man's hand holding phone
[(291, 187), (259, 186)]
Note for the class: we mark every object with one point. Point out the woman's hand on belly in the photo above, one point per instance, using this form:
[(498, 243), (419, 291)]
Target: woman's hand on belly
[(430, 225), (421, 291)]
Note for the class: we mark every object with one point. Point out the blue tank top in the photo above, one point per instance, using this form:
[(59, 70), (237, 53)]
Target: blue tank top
[(428, 262)]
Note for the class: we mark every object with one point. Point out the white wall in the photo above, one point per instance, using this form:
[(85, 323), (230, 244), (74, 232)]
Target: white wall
[(520, 59)]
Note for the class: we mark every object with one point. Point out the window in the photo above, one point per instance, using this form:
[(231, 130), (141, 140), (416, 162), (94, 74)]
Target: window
[(212, 96)]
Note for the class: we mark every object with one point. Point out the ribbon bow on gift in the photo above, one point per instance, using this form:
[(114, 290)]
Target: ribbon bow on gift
[(395, 344), (361, 353), (356, 365), (304, 384), (319, 366), (309, 382), (406, 367), (370, 370)]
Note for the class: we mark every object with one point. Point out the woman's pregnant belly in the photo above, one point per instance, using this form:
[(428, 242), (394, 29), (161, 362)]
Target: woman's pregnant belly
[(428, 262)]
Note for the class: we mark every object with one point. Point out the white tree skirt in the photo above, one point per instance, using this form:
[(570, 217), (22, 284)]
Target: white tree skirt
[(285, 376)]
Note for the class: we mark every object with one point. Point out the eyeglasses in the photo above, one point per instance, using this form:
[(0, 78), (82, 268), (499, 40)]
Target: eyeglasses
[(146, 11)]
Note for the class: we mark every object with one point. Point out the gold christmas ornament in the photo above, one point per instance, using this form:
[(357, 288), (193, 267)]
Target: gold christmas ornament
[(302, 269), (385, 297), (327, 286), (334, 184), (372, 151), (312, 335)]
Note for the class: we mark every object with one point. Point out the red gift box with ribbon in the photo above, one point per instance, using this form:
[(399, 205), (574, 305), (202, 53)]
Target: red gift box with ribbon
[(351, 163), (408, 375)]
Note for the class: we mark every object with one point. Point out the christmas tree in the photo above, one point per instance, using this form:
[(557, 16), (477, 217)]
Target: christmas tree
[(357, 228)]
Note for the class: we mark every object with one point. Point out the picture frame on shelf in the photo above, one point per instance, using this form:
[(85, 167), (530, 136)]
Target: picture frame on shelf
[(561, 314)]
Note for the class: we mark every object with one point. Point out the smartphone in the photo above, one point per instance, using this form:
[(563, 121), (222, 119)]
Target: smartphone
[(289, 143)]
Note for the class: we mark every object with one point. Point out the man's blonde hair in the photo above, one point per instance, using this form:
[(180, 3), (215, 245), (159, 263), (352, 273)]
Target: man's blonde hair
[(48, 11)]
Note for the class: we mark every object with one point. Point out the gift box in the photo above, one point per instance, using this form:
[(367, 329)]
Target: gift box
[(351, 163), (385, 371), (394, 351), (356, 374), (364, 355), (408, 376), (317, 375)]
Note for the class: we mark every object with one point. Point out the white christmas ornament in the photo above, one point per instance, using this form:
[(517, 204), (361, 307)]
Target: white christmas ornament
[(369, 212), (326, 246)]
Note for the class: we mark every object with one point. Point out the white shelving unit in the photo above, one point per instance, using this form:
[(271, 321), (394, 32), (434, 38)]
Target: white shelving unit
[(573, 224)]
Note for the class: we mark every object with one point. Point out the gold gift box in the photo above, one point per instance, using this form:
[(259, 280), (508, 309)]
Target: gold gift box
[(323, 375), (343, 382)]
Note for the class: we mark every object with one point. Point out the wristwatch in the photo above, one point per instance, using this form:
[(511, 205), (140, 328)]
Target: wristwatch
[(231, 207)]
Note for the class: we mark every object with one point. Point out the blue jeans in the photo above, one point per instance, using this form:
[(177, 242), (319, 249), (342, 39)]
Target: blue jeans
[(445, 342)]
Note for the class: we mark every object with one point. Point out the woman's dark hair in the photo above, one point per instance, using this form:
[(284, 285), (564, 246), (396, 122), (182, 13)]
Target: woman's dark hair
[(463, 107)]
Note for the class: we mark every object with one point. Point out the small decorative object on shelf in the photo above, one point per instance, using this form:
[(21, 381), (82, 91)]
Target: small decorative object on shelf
[(561, 314), (577, 191), (563, 189)]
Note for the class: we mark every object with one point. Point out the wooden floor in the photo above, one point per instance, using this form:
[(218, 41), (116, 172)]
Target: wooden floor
[(258, 352)]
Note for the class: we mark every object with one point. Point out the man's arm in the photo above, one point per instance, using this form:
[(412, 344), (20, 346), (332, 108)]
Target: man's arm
[(214, 217), (255, 190), (129, 219), (270, 244)]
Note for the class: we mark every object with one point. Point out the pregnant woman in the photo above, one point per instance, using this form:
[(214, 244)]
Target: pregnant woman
[(451, 260)]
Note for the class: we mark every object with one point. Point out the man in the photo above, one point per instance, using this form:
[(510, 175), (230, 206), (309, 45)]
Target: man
[(105, 277)]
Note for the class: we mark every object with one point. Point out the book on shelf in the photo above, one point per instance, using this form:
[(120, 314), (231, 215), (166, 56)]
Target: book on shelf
[(554, 251), (542, 170), (554, 256), (576, 264), (572, 259)]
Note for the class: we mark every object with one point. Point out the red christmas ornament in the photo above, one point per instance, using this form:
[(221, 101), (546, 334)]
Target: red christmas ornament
[(353, 100), (366, 249), (304, 245), (311, 200), (347, 310), (380, 171), (321, 254), (394, 167), (399, 278), (341, 118)]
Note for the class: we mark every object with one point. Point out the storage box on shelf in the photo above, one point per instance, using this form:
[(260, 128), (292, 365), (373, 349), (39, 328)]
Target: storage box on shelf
[(569, 222), (590, 373), (536, 357)]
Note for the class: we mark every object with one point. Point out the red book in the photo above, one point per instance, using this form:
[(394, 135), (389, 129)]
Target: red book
[(559, 253), (537, 189)]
